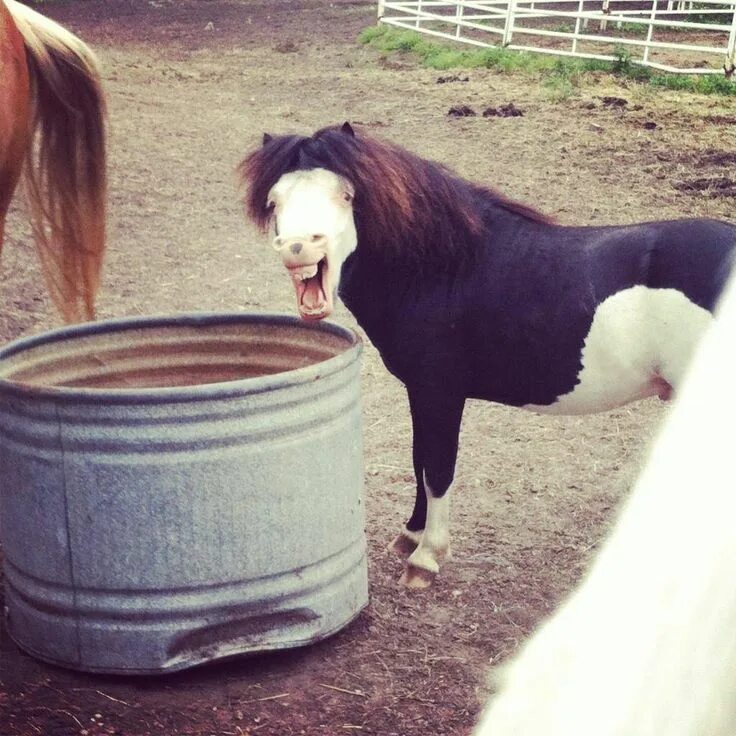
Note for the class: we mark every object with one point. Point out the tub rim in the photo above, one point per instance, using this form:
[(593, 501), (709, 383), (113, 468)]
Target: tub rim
[(194, 392)]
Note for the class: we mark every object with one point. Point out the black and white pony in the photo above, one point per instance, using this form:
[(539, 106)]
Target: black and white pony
[(646, 645), (467, 294)]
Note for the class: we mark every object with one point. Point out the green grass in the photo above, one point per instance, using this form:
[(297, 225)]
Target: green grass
[(442, 56), (723, 18), (633, 29), (560, 75), (563, 28), (704, 85)]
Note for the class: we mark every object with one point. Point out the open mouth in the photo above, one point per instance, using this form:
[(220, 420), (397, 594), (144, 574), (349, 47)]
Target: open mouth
[(313, 291)]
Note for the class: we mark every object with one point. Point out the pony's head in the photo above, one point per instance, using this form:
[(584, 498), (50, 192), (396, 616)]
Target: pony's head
[(326, 195), (295, 191)]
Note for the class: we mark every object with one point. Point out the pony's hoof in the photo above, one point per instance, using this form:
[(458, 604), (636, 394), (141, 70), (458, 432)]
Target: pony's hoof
[(402, 545), (417, 578)]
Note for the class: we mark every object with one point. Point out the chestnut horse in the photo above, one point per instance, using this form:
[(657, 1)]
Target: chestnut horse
[(50, 91), (467, 294)]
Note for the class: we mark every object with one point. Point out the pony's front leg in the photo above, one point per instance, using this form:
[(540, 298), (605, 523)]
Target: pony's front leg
[(407, 540), (436, 428), (434, 544)]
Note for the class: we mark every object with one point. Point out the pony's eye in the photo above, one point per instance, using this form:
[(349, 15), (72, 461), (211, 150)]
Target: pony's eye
[(270, 205), (347, 196)]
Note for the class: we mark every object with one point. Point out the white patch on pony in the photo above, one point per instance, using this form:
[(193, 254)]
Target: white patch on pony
[(434, 544), (640, 343), (646, 645), (313, 214)]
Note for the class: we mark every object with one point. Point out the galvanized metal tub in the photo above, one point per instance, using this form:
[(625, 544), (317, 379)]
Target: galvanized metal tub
[(178, 489)]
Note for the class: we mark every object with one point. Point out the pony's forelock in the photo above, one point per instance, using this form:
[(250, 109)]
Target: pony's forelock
[(262, 168)]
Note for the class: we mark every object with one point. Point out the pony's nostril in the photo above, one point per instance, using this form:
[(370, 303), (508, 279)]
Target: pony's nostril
[(278, 243), (296, 248)]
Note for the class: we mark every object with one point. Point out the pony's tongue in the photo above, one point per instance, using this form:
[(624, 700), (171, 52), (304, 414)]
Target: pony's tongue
[(311, 288), (313, 297)]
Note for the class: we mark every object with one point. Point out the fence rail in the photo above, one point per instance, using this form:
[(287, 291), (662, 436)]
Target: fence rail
[(671, 35)]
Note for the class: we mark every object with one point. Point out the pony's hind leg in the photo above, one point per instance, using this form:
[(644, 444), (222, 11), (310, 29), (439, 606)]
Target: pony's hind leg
[(436, 429)]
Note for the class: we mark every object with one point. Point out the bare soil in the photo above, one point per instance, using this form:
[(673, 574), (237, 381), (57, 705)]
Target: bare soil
[(192, 86)]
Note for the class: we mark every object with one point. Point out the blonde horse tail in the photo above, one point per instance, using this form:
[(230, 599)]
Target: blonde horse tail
[(65, 172)]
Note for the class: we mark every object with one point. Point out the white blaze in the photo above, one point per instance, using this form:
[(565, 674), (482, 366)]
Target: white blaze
[(317, 202)]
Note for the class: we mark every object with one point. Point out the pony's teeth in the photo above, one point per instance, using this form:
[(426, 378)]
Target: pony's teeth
[(305, 273)]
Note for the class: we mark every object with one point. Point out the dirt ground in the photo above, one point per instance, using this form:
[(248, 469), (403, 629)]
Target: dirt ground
[(192, 86)]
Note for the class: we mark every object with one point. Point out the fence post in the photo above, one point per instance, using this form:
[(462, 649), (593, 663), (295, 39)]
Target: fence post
[(459, 9), (509, 26), (603, 11), (730, 66), (581, 8), (381, 9), (650, 31)]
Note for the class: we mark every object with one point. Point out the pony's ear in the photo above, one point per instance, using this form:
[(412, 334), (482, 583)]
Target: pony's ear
[(347, 129), (267, 138)]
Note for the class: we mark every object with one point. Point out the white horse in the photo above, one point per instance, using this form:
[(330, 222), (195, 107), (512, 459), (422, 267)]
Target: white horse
[(646, 646)]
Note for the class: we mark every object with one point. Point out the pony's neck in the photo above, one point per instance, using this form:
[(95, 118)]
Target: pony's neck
[(447, 239), (446, 231)]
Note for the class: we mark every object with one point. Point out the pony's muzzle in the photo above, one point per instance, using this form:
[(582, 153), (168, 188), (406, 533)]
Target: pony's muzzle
[(301, 250), (306, 259)]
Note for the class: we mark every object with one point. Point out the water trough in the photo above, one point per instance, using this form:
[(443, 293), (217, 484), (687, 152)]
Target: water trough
[(174, 490)]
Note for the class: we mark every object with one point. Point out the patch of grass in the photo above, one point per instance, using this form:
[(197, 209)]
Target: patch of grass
[(667, 81), (566, 75), (559, 88), (623, 66), (716, 18), (705, 85), (633, 29), (442, 56), (560, 75)]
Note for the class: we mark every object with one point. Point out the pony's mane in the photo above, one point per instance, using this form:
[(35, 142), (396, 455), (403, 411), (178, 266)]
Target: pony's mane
[(404, 205)]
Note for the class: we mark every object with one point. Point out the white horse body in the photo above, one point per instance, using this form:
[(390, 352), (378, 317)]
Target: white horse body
[(646, 646)]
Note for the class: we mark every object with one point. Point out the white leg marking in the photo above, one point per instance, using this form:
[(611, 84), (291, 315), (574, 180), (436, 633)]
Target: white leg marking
[(435, 541), (638, 335)]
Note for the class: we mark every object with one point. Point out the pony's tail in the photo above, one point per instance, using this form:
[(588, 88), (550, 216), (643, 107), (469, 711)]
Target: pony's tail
[(65, 172)]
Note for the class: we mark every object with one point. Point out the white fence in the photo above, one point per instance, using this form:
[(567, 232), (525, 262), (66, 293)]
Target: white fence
[(671, 35)]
